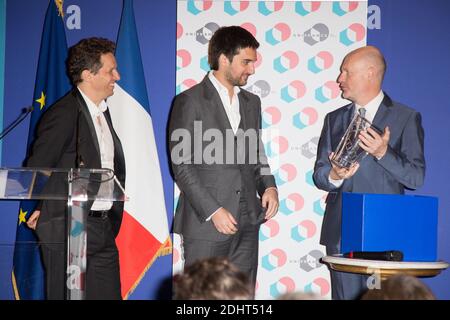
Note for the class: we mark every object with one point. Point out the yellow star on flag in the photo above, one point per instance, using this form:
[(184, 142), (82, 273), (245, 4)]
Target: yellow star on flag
[(41, 100), (22, 215)]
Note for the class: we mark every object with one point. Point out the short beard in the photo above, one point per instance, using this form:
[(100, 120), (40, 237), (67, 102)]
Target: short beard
[(233, 81)]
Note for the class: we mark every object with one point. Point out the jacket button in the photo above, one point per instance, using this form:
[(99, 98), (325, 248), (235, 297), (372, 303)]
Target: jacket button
[(238, 192)]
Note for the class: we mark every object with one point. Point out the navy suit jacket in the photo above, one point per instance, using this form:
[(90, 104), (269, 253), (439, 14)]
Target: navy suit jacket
[(403, 165)]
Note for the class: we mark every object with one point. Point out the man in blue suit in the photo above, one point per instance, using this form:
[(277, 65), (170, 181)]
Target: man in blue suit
[(395, 159)]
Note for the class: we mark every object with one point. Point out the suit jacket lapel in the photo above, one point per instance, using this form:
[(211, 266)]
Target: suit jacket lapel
[(243, 110), (383, 113), (85, 112), (347, 117), (212, 96)]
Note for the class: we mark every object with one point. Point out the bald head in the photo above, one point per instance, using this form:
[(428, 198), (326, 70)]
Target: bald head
[(372, 57), (362, 73)]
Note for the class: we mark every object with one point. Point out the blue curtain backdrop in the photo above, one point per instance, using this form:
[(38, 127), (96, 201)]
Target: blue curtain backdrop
[(414, 36), (2, 60)]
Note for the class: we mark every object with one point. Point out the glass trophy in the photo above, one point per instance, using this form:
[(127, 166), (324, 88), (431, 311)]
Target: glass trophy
[(349, 151)]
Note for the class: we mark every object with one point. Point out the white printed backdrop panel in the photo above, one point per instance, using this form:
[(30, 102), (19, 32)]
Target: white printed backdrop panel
[(302, 45)]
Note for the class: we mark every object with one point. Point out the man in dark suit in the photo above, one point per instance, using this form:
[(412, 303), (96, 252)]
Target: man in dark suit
[(77, 132), (219, 212), (395, 159)]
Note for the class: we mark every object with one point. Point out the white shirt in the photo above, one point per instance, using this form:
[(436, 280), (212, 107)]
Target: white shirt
[(231, 107), (371, 110), (106, 144)]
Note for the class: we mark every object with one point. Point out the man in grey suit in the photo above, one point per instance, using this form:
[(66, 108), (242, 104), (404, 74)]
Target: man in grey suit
[(218, 160), (395, 160)]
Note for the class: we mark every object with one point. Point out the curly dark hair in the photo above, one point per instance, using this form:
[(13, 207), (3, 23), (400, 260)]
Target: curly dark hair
[(229, 40), (212, 279), (85, 55)]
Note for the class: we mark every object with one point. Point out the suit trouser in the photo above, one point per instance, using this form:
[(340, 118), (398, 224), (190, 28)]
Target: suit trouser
[(241, 248), (345, 285), (102, 274)]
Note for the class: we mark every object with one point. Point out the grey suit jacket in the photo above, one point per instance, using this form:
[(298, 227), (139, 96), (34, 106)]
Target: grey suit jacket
[(403, 165), (206, 186)]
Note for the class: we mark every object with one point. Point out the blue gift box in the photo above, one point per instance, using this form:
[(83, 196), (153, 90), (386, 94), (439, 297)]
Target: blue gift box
[(381, 222)]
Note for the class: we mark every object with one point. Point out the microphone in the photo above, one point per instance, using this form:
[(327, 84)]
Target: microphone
[(391, 255), (23, 114)]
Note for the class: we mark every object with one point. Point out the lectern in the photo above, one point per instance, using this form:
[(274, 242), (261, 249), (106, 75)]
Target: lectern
[(381, 222), (79, 187)]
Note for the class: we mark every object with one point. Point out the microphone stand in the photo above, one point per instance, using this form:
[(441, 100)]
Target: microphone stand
[(24, 113)]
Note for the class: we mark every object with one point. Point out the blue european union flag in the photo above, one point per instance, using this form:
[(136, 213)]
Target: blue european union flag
[(51, 84)]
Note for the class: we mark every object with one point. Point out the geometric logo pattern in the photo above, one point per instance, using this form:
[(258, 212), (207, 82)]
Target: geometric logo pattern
[(269, 7), (292, 203), (197, 7), (287, 61), (354, 33), (268, 230), (293, 91), (303, 231), (274, 259), (304, 8), (234, 7), (318, 286), (307, 117), (279, 33), (302, 44), (321, 61), (330, 90), (342, 8), (284, 285)]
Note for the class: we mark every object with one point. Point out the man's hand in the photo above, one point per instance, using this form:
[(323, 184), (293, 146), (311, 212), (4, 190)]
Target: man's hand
[(270, 202), (373, 143), (224, 221), (338, 173), (33, 219)]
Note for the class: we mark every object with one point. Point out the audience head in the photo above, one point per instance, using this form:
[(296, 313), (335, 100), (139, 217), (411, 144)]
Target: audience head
[(298, 295), (400, 287), (212, 279)]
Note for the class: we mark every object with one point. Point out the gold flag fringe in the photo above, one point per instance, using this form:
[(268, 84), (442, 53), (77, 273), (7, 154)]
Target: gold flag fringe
[(59, 4), (165, 249)]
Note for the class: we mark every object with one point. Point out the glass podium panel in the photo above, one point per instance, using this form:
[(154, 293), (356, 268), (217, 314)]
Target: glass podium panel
[(79, 187)]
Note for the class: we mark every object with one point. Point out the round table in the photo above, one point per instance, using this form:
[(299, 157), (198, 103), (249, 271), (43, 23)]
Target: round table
[(384, 268)]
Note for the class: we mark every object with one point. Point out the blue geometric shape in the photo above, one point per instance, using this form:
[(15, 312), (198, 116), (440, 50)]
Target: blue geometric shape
[(337, 9), (312, 66), (317, 208), (300, 9), (263, 9), (77, 229), (295, 235), (343, 37), (284, 208), (270, 38), (297, 122), (319, 95), (278, 66), (285, 94), (278, 179), (228, 8), (274, 290), (309, 178), (204, 65), (265, 263), (262, 236), (192, 8)]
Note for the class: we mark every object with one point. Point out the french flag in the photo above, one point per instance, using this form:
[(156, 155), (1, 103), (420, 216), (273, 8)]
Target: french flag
[(144, 234)]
